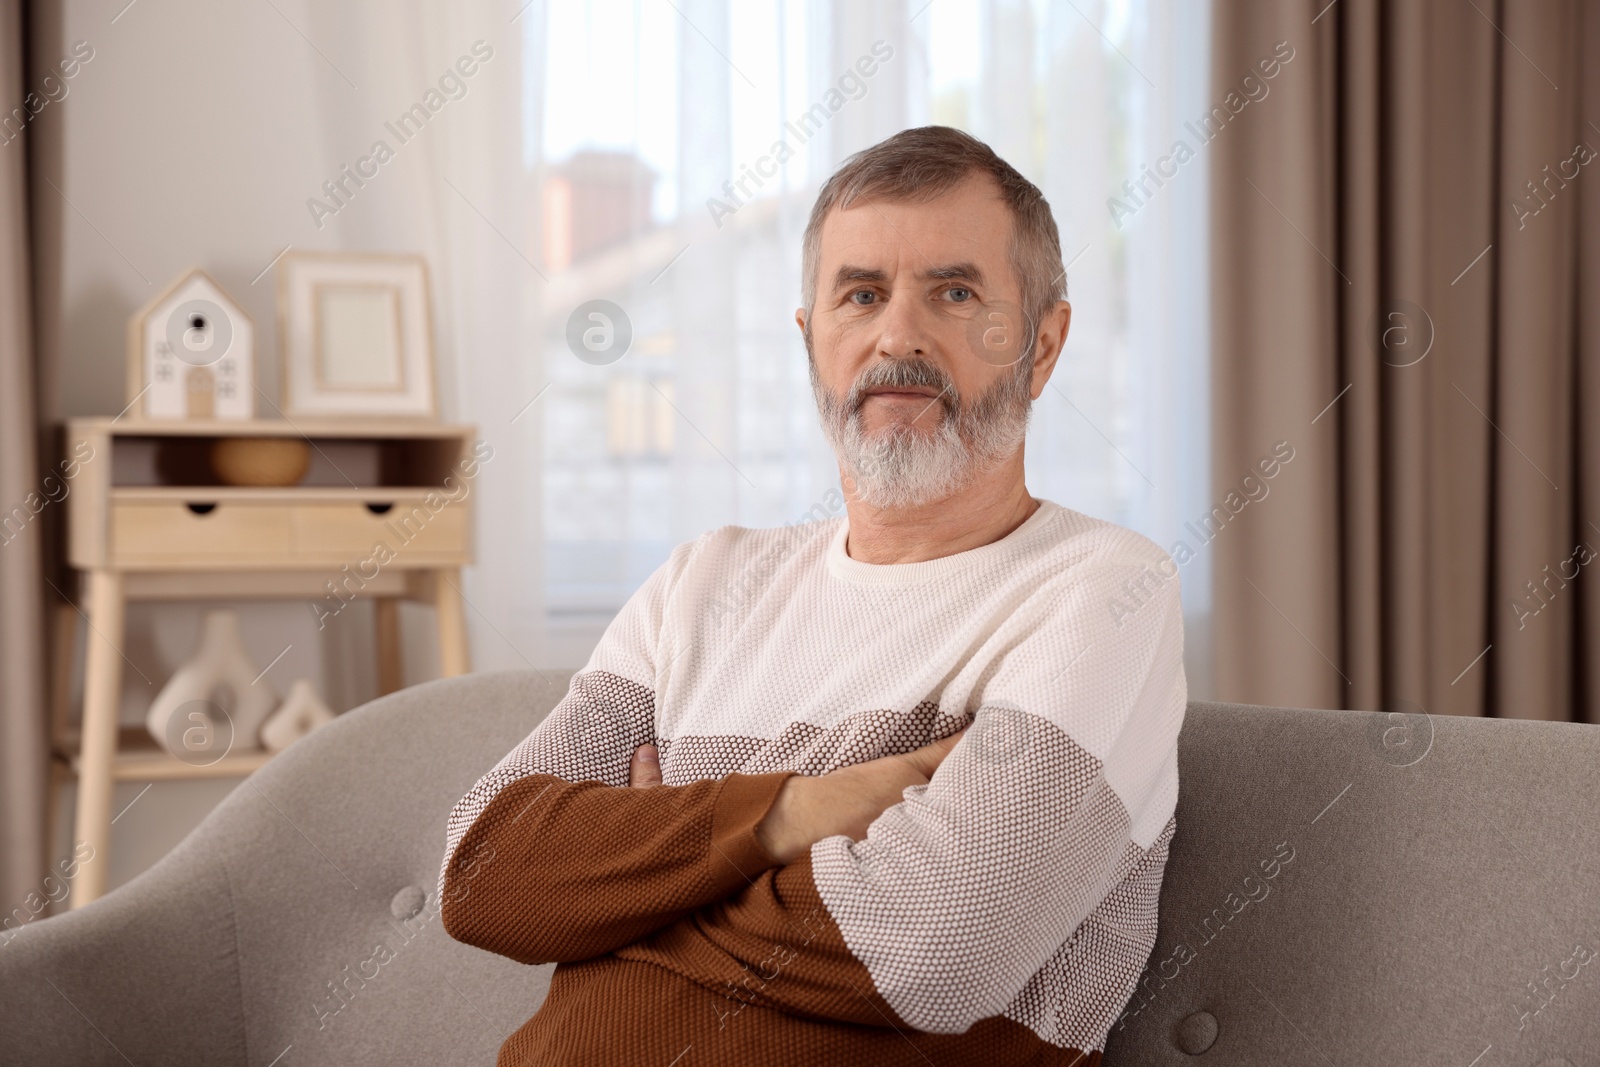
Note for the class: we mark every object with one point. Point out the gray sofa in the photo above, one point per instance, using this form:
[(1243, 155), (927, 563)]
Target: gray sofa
[(1345, 888)]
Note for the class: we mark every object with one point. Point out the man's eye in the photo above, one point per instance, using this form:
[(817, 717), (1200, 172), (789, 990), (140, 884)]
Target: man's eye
[(863, 297), (959, 295)]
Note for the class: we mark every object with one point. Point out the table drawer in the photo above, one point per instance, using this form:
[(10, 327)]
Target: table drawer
[(412, 533), (204, 534), (176, 533)]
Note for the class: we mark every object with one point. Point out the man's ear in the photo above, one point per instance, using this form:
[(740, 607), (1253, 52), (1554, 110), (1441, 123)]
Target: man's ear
[(1052, 336), (800, 320)]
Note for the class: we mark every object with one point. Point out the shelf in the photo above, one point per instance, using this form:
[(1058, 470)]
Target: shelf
[(297, 493), (138, 759), (233, 584), (139, 528), (344, 426)]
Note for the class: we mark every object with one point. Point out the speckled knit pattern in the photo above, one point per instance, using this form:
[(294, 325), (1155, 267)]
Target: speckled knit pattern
[(591, 1003), (1016, 890)]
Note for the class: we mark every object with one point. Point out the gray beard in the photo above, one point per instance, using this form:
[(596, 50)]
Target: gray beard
[(902, 466)]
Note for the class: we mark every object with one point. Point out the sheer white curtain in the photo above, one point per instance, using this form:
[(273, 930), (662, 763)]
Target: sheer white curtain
[(632, 155), (460, 192), (668, 117)]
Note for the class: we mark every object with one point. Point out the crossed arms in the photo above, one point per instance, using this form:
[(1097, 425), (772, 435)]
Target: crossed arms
[(562, 871)]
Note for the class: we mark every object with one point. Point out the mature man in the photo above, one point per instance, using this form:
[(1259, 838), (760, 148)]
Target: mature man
[(919, 777)]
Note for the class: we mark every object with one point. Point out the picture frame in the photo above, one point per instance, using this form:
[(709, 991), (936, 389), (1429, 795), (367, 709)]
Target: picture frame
[(355, 333)]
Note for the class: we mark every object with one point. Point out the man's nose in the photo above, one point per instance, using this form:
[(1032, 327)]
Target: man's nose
[(906, 328)]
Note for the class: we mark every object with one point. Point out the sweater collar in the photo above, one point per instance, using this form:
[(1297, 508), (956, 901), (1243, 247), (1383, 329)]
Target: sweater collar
[(842, 566)]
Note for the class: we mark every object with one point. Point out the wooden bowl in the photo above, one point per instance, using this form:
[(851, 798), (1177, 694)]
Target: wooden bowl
[(260, 461)]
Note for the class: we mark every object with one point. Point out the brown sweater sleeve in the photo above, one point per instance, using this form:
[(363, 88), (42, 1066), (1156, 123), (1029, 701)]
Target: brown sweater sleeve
[(558, 871), (771, 943)]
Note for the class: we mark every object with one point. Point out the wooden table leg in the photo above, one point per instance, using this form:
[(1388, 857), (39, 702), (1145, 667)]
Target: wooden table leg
[(454, 656), (64, 650), (386, 619), (102, 687)]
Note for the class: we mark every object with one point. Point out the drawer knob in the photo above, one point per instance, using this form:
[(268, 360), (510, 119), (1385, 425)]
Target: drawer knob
[(379, 508), (200, 508)]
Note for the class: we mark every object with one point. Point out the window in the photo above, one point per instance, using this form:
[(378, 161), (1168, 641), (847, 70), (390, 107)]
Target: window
[(653, 135)]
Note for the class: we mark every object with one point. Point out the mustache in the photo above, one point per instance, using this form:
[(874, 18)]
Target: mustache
[(903, 374)]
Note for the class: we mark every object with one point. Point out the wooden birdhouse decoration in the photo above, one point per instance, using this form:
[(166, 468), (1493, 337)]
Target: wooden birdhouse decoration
[(191, 354)]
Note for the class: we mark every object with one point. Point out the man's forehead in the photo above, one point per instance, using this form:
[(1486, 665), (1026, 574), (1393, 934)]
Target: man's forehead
[(966, 226)]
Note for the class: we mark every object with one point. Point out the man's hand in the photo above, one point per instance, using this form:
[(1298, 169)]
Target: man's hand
[(845, 801), (809, 809)]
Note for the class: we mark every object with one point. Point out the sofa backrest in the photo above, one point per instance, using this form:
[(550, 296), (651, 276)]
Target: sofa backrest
[(1343, 888), (1362, 888)]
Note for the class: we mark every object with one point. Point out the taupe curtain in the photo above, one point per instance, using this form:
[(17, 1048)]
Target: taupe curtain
[(1406, 289), (23, 759)]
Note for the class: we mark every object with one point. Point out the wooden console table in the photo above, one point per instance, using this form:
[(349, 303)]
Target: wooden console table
[(207, 541)]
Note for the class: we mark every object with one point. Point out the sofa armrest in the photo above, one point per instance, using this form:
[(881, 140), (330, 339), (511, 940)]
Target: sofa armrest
[(148, 974)]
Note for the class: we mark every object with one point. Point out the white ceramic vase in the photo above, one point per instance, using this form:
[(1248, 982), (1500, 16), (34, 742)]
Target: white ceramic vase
[(216, 701), (301, 712)]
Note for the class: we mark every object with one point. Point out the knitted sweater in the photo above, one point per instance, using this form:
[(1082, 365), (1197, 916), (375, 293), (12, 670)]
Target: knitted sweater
[(999, 914)]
